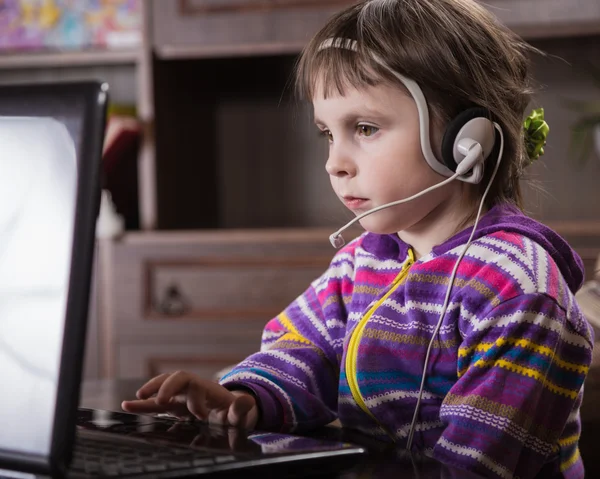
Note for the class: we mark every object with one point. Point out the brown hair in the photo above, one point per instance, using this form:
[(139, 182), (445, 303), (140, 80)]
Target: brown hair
[(455, 50)]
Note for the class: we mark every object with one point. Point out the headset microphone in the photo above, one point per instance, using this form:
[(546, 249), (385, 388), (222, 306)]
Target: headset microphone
[(472, 161)]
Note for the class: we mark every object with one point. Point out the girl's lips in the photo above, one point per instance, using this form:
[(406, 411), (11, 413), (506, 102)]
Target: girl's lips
[(354, 203)]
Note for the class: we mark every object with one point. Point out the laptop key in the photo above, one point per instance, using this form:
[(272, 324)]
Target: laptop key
[(205, 461), (78, 464), (110, 470), (156, 467), (197, 453), (224, 459), (131, 469)]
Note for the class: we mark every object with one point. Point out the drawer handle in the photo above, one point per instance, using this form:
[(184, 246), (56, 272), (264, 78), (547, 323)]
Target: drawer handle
[(173, 303)]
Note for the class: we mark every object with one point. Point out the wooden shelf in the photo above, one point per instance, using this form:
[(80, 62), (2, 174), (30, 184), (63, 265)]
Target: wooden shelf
[(186, 52), (68, 58)]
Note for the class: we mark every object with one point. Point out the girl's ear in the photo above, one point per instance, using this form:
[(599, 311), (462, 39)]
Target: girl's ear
[(473, 124)]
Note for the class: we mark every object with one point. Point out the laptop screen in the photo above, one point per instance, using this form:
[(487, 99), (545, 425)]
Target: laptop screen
[(50, 147), (37, 211)]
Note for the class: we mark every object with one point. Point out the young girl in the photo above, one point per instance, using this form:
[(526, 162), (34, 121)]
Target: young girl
[(450, 326)]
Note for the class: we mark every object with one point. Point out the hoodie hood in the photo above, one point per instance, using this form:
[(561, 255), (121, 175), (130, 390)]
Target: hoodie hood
[(503, 217)]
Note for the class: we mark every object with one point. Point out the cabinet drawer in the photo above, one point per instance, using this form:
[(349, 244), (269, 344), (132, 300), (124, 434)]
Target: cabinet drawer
[(200, 277), (200, 300), (198, 28), (228, 287)]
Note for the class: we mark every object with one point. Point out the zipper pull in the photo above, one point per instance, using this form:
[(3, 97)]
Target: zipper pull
[(409, 261), (405, 267)]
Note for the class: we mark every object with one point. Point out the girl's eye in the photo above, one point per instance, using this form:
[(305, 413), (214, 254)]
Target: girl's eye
[(327, 134), (367, 130)]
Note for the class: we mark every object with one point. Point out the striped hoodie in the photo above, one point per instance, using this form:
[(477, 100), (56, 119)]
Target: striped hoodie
[(505, 376)]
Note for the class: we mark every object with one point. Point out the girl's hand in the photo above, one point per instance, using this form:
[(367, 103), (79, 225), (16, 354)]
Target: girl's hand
[(185, 395)]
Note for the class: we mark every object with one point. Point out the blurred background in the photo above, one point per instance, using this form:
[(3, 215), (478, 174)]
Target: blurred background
[(220, 208)]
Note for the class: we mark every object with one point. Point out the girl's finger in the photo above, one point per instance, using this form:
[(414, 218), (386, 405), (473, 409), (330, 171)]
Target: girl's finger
[(175, 384), (146, 406), (239, 409), (151, 387), (236, 438), (196, 400), (218, 416)]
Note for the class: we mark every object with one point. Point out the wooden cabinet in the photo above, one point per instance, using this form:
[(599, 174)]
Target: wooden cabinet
[(205, 28), (198, 300), (192, 28)]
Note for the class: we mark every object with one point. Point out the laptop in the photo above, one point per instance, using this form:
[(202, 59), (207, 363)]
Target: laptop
[(51, 139)]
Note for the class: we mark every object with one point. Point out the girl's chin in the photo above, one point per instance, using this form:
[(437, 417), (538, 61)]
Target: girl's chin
[(377, 227)]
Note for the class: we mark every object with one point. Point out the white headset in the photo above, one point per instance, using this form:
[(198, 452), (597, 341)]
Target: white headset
[(468, 141)]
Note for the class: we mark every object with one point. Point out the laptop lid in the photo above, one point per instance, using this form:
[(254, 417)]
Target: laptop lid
[(51, 139)]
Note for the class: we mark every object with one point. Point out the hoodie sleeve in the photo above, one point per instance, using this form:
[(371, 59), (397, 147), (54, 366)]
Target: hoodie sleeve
[(515, 406), (295, 375)]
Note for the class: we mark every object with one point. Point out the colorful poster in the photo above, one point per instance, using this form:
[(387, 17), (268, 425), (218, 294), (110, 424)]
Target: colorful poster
[(69, 24)]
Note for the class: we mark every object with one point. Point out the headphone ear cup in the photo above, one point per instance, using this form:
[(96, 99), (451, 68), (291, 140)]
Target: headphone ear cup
[(455, 131)]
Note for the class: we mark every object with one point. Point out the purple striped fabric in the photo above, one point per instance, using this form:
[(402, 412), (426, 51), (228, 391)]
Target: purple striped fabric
[(505, 377)]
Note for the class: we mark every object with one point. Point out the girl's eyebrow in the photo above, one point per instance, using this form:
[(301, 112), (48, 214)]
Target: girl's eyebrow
[(351, 117)]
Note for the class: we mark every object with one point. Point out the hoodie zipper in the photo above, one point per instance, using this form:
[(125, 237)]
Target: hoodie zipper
[(352, 354)]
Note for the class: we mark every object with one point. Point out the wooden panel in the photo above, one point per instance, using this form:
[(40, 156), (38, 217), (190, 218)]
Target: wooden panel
[(204, 7), (67, 59), (220, 273), (221, 288), (196, 28), (121, 78), (209, 28), (144, 263)]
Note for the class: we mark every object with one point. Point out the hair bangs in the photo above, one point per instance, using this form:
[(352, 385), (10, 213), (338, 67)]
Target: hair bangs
[(331, 70)]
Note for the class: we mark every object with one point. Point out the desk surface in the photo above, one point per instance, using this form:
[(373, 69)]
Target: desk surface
[(382, 462)]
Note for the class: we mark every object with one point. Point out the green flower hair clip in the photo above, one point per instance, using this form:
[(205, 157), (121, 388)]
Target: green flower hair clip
[(536, 132)]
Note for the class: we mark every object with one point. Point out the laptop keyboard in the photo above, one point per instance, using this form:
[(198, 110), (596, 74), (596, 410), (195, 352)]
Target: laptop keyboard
[(96, 456)]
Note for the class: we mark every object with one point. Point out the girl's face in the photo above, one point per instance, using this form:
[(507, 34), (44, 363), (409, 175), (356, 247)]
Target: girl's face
[(375, 156)]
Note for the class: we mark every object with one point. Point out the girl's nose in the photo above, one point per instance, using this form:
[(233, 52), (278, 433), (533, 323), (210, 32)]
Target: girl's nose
[(340, 164)]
